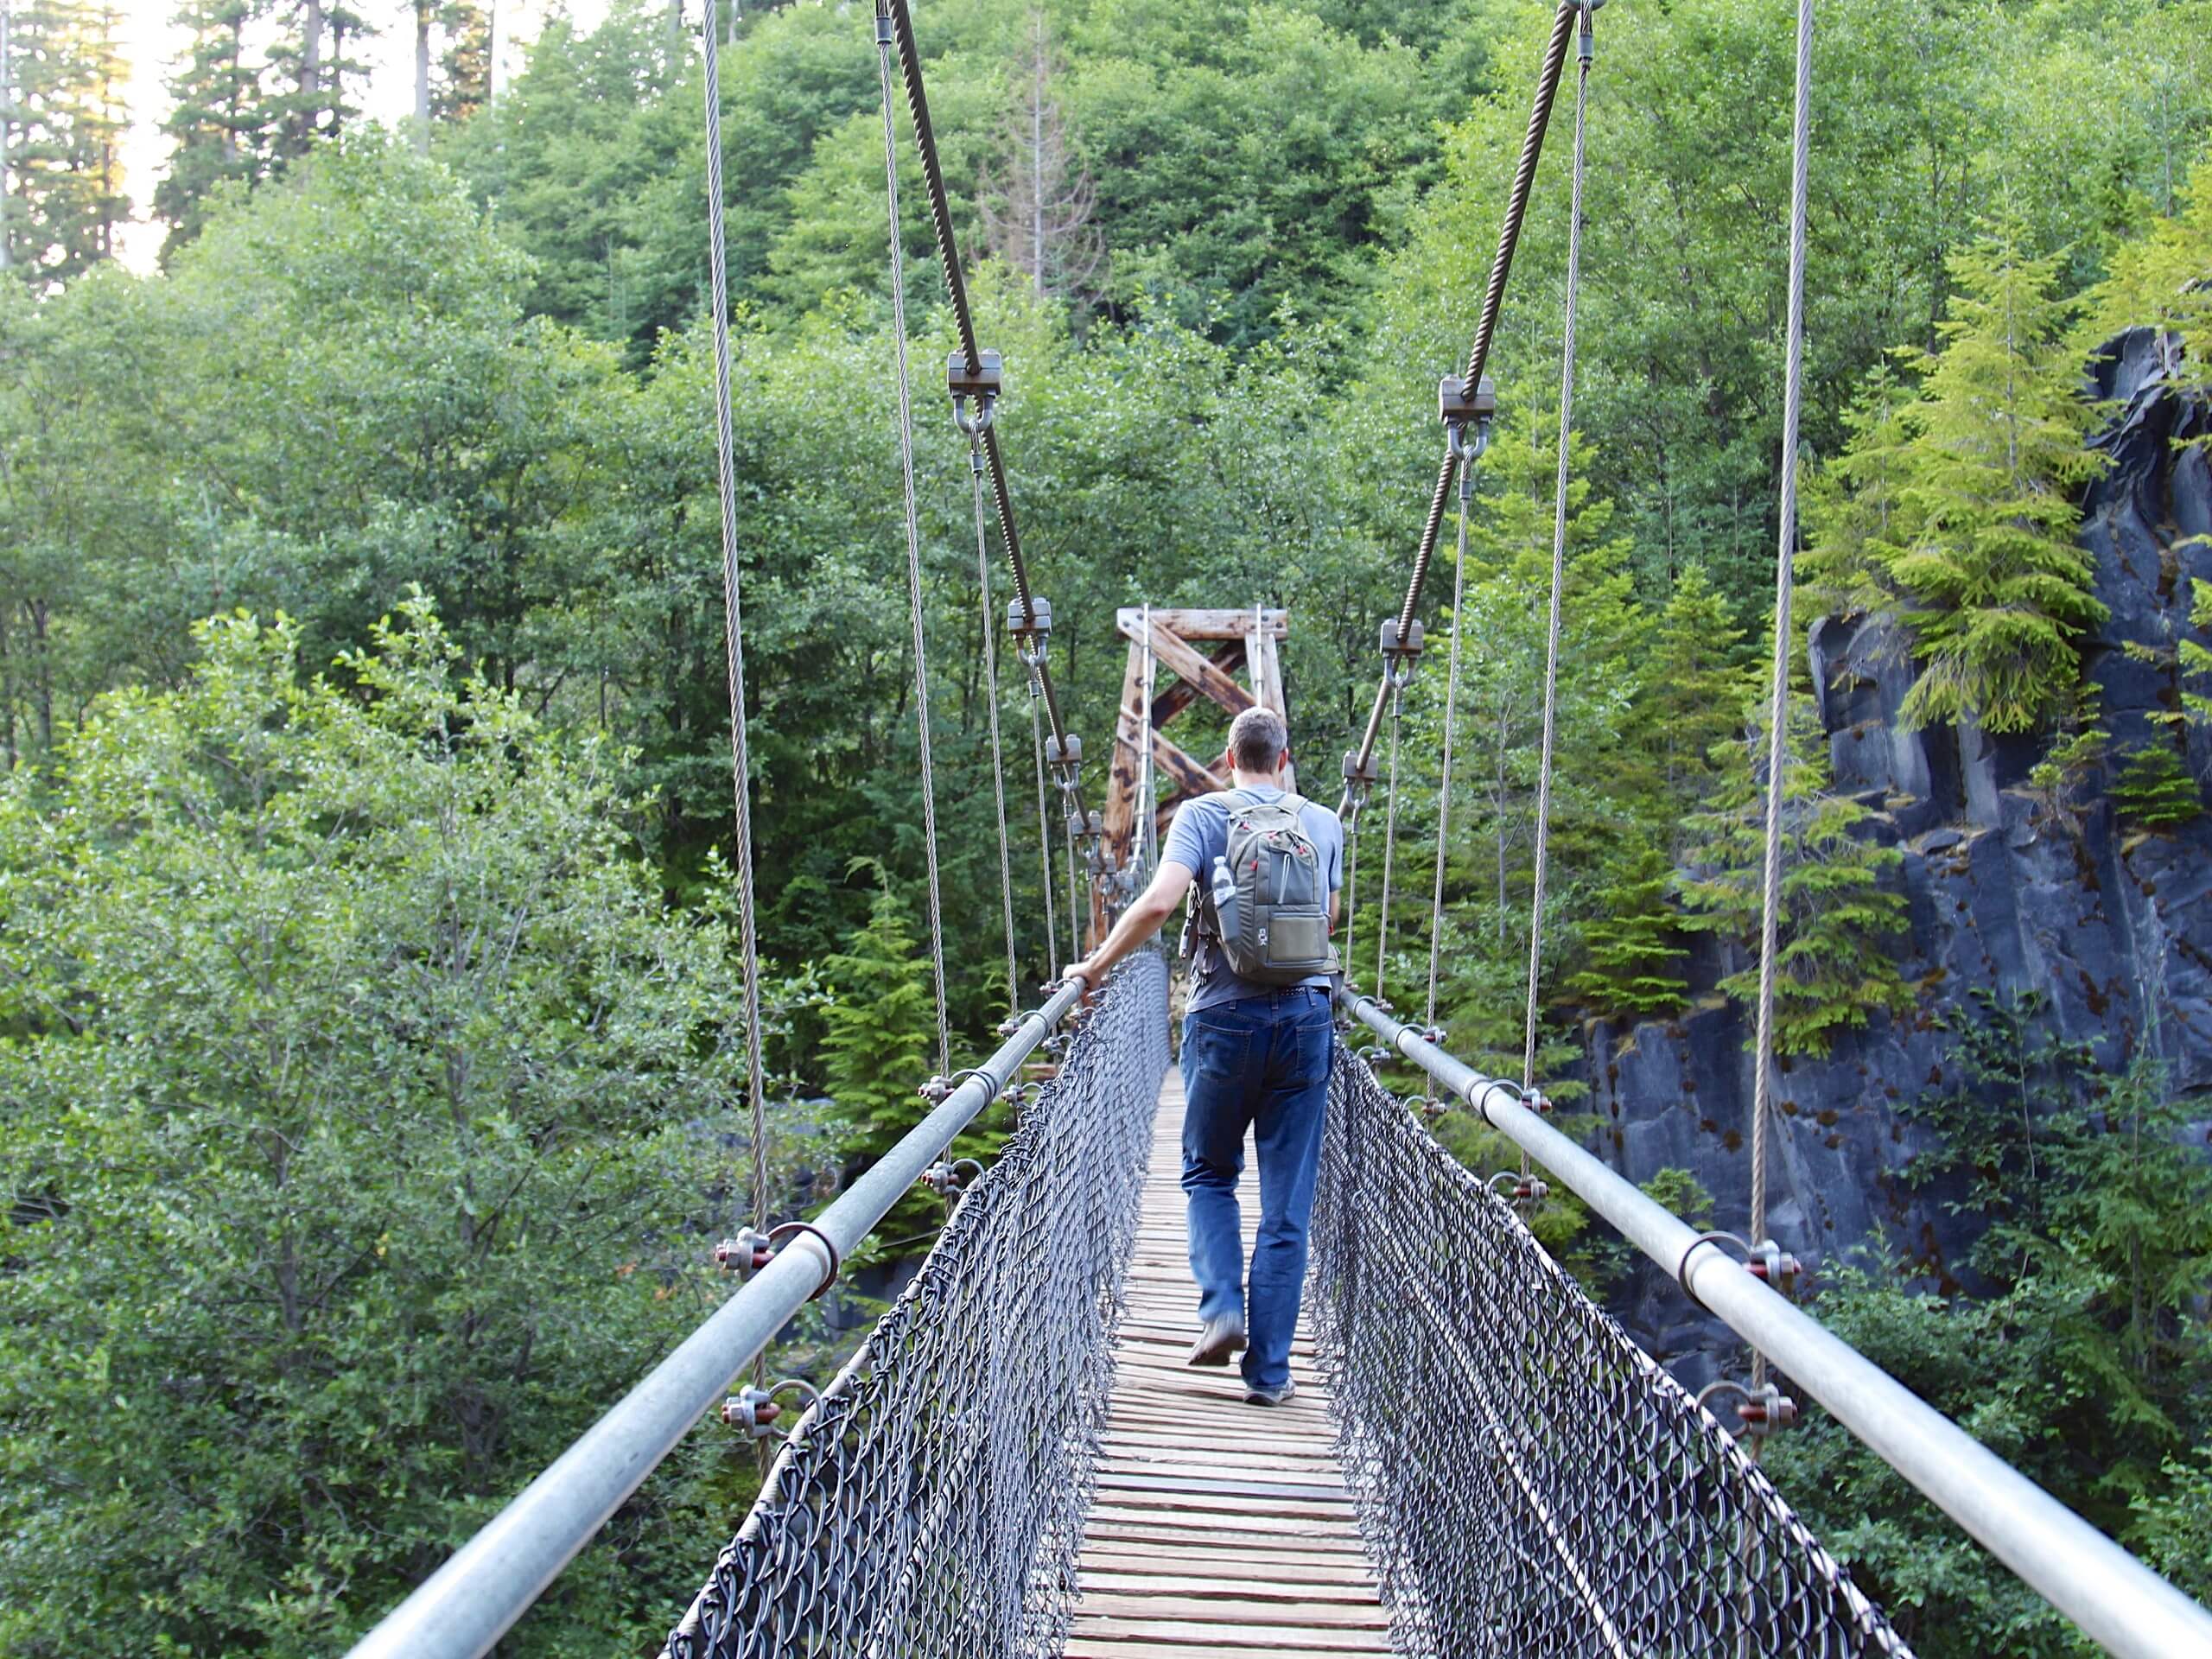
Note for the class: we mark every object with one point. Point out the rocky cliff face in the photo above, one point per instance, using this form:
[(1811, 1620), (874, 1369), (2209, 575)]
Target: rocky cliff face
[(2112, 927)]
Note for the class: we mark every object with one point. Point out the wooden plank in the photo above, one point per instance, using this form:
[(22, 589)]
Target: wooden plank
[(1216, 1530), (1194, 623)]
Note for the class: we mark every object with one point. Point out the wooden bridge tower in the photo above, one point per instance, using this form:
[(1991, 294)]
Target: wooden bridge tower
[(1202, 650)]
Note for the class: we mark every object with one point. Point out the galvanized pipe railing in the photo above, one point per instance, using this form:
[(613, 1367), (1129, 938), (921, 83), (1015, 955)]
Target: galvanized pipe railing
[(2118, 1602), (463, 1608)]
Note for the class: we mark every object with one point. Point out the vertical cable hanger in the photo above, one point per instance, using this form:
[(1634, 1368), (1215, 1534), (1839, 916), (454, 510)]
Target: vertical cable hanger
[(1778, 751), (884, 41), (733, 635), (1586, 51)]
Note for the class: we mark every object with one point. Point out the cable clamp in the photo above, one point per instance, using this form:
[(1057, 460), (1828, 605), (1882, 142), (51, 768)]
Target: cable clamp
[(1761, 1410), (755, 1410), (1031, 628), (1467, 417), (746, 1253), (884, 35), (1765, 1261), (947, 1180), (1433, 1035), (1360, 773), (1399, 659), (1064, 756), (1521, 1189), (980, 386)]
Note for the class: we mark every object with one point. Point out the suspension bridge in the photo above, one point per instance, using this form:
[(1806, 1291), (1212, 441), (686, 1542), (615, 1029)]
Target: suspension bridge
[(1479, 1461)]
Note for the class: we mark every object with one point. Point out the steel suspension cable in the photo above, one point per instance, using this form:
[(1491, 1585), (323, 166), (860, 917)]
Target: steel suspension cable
[(914, 568), (1559, 552), (1509, 238), (733, 637), (1777, 752), (955, 288), (991, 706)]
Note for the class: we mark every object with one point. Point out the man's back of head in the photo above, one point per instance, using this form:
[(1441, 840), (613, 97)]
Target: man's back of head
[(1259, 743)]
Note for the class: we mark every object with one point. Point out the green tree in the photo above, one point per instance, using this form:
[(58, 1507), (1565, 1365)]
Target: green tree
[(1832, 967), (363, 1098), (1991, 584), (67, 117), (1632, 943), (2152, 787), (217, 123), (1691, 685), (2160, 280)]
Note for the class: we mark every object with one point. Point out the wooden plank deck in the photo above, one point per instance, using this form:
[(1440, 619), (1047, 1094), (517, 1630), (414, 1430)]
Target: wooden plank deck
[(1219, 1528)]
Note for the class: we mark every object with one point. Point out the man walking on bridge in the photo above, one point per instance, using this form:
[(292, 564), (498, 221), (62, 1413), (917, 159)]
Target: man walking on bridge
[(1262, 868)]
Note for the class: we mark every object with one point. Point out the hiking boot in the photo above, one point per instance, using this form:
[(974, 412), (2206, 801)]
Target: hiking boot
[(1281, 1397), (1221, 1337)]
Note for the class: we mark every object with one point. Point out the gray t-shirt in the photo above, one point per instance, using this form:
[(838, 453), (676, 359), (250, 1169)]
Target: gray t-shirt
[(1201, 835)]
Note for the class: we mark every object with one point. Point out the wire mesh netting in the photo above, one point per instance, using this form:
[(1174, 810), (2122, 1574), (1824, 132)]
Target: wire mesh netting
[(932, 1502), (1527, 1480)]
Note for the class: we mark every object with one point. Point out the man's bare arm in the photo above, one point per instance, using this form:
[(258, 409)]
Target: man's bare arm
[(1138, 923)]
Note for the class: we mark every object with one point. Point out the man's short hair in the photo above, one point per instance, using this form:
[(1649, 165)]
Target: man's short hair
[(1257, 739)]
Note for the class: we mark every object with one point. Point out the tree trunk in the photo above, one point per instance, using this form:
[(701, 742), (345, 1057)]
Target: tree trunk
[(422, 77)]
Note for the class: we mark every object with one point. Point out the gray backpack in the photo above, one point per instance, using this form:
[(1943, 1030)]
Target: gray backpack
[(1266, 902)]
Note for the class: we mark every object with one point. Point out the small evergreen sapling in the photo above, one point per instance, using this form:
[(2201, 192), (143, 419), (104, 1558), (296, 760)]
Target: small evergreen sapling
[(1834, 970), (2154, 788), (1633, 945)]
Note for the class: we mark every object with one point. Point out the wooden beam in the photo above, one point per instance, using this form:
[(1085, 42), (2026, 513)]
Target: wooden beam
[(1191, 776), (1182, 660), (1202, 624), (1227, 656), (1123, 778)]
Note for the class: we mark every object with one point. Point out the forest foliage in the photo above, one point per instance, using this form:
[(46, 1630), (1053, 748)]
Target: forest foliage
[(410, 860)]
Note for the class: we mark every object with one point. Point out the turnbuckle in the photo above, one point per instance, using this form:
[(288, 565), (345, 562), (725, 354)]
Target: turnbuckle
[(755, 1410), (1765, 1261), (1762, 1410)]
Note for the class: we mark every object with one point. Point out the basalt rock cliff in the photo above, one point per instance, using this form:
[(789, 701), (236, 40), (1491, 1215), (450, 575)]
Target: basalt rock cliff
[(2109, 927)]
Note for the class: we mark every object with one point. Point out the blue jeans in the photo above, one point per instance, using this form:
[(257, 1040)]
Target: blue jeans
[(1259, 1063)]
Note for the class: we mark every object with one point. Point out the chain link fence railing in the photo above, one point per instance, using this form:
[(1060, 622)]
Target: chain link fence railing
[(1528, 1482), (933, 1502)]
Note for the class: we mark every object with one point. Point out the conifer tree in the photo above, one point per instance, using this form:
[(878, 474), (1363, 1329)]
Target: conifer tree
[(464, 81), (879, 1024), (1990, 582), (316, 65), (1857, 518), (2153, 788), (2163, 280), (68, 119), (218, 124), (1503, 641), (1832, 968), (1692, 688), (1038, 205), (1633, 945)]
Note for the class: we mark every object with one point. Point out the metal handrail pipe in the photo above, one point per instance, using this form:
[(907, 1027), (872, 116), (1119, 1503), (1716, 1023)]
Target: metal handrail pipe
[(2118, 1603), (463, 1608)]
